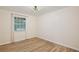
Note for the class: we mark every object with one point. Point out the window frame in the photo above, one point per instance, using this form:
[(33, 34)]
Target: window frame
[(13, 22)]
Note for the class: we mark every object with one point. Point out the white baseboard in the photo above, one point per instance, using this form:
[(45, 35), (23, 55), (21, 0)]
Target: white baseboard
[(30, 37), (60, 43), (5, 43)]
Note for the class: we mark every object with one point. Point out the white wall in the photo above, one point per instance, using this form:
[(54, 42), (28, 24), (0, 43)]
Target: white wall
[(5, 21), (5, 26), (61, 27), (31, 27)]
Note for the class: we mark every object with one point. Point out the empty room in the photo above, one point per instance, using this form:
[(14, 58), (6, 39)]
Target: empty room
[(39, 28)]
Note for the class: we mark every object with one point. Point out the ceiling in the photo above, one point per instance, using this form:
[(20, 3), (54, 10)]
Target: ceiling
[(30, 10)]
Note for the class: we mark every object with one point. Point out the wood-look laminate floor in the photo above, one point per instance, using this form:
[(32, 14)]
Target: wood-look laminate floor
[(34, 45)]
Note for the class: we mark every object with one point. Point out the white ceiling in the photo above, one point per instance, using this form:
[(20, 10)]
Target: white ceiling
[(30, 10)]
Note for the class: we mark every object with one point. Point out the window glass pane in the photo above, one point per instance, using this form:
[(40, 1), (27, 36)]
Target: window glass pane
[(19, 24)]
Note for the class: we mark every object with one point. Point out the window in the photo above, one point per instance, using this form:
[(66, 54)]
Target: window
[(19, 24)]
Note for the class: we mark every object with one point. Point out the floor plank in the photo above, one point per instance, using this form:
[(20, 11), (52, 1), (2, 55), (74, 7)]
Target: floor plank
[(34, 45)]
